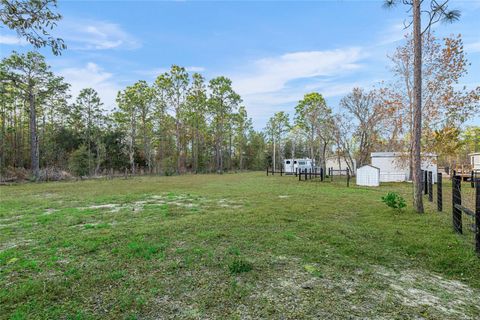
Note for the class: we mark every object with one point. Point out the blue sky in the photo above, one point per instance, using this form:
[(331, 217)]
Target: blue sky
[(274, 52)]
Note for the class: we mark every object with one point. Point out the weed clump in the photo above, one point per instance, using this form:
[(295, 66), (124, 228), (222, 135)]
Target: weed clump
[(239, 265), (394, 200)]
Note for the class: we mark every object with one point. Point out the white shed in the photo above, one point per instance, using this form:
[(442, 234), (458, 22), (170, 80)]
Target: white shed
[(368, 176), (475, 160), (394, 166)]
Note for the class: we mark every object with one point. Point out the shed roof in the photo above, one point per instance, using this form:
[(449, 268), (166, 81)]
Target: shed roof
[(368, 165), (396, 154)]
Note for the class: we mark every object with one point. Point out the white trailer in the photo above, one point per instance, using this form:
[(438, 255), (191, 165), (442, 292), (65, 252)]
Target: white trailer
[(290, 166), (394, 166), (475, 160)]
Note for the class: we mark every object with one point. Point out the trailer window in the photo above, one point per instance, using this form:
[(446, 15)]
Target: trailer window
[(287, 162), (295, 162), (302, 163)]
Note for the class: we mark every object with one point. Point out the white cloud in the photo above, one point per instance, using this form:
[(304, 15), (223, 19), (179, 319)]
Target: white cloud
[(155, 72), (472, 47), (96, 35), (12, 40), (274, 73), (195, 69), (92, 76), (277, 83), (396, 32)]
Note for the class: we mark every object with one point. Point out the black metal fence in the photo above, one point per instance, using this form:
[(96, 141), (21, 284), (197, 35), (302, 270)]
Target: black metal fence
[(314, 173), (272, 171), (465, 202), (466, 209)]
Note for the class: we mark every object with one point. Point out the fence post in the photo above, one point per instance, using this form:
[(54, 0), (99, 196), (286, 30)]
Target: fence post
[(472, 179), (306, 173), (457, 199), (299, 174), (281, 170), (423, 177), (425, 182), (477, 215), (348, 177), (430, 186), (296, 170), (267, 171), (439, 192), (321, 174), (331, 175)]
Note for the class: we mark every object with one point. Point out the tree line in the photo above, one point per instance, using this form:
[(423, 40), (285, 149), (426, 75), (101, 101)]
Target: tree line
[(180, 123)]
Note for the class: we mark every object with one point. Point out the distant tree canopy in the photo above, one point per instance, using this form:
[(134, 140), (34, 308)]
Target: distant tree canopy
[(183, 123), (177, 124)]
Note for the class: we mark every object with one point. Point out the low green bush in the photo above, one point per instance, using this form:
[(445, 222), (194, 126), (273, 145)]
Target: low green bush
[(394, 200)]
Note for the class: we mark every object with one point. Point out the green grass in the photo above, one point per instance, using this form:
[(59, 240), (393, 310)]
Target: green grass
[(228, 247)]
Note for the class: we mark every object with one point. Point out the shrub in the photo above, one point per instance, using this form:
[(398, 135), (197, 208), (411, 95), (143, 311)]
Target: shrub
[(394, 200), (78, 162)]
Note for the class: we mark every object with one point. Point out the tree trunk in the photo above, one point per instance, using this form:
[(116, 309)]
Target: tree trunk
[(417, 117), (195, 149), (89, 144), (146, 146), (132, 142), (230, 162), (323, 162), (274, 153), (34, 152), (240, 160), (3, 152), (312, 141), (97, 167), (220, 145), (178, 145)]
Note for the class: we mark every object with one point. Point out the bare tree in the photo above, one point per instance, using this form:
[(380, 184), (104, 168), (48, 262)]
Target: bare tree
[(369, 113), (343, 135)]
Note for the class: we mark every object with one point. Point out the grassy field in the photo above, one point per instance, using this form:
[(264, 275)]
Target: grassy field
[(236, 246)]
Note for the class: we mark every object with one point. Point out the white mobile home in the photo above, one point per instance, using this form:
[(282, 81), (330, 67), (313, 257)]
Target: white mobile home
[(291, 165), (339, 163), (368, 176), (475, 160), (394, 166)]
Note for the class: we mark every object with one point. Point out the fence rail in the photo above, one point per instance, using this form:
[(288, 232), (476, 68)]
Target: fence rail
[(465, 205), (459, 209), (305, 174)]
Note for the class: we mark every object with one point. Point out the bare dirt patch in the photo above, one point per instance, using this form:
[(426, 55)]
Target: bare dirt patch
[(180, 200), (418, 289), (306, 290)]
